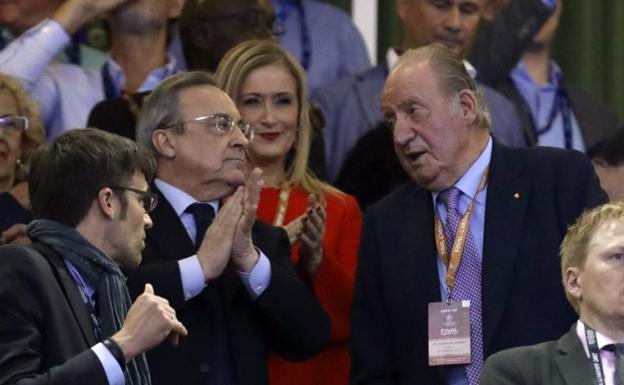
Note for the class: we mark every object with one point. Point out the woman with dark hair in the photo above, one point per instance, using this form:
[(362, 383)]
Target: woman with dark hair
[(323, 224)]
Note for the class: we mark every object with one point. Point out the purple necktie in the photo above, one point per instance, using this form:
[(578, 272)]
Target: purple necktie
[(467, 282)]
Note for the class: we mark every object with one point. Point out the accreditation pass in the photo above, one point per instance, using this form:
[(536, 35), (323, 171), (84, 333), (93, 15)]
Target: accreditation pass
[(449, 333)]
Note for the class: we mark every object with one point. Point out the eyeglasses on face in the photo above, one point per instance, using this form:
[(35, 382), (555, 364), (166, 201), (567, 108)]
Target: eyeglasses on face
[(221, 124), (14, 124), (150, 199)]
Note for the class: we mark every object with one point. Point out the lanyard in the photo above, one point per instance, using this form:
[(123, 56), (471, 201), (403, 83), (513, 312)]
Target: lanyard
[(561, 103), (594, 354), (95, 323), (452, 262)]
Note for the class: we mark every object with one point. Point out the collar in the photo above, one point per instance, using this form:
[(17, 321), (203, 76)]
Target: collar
[(469, 182), (392, 57), (118, 76), (179, 199), (601, 339), (521, 74)]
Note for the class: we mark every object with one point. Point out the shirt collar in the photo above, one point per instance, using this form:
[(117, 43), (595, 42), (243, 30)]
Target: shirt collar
[(601, 339), (179, 199), (468, 184), (520, 73), (118, 76)]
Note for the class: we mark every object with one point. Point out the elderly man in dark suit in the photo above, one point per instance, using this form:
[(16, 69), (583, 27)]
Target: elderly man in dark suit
[(65, 311), (230, 279), (479, 224), (592, 268)]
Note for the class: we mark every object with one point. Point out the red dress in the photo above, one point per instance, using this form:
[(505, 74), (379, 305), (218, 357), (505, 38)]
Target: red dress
[(332, 284)]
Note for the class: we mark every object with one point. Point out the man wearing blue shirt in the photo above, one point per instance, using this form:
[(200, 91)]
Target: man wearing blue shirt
[(65, 311)]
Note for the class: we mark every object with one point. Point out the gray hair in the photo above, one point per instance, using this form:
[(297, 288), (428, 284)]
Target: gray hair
[(452, 74), (161, 107)]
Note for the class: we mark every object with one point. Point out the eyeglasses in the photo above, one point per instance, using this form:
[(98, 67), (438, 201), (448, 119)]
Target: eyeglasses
[(14, 124), (221, 124), (150, 199)]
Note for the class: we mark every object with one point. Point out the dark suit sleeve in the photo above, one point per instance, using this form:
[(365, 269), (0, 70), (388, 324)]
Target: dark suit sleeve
[(294, 323), (500, 43), (507, 368), (24, 283), (372, 359)]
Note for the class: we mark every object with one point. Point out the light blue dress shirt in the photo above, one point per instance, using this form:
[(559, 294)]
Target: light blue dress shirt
[(193, 281), (468, 184), (540, 101), (335, 46), (66, 93)]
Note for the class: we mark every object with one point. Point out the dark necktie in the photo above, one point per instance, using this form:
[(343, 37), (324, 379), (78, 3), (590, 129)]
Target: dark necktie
[(203, 214), (221, 367), (467, 283), (618, 374)]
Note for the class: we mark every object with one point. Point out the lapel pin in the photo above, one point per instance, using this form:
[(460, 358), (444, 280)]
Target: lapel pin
[(516, 196)]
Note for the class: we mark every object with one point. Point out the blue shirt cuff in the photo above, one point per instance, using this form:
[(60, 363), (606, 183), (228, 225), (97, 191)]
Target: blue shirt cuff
[(193, 281), (258, 279), (114, 373)]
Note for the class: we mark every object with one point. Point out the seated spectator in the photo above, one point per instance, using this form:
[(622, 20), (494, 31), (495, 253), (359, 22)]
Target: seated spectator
[(21, 132), (592, 352), (323, 224), (322, 38), (67, 92), (608, 159)]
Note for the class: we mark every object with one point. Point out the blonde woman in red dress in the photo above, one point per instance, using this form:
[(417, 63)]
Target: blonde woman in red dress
[(323, 224)]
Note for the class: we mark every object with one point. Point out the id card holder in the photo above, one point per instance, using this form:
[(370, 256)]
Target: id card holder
[(449, 333)]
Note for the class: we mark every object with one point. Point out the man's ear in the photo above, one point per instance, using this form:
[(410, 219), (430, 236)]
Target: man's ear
[(164, 143), (573, 282), (105, 202), (468, 105)]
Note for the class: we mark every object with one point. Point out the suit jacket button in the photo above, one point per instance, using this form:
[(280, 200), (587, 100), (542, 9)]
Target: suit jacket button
[(204, 368)]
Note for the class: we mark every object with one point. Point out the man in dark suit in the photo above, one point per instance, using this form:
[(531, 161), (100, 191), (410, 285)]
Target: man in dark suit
[(592, 268), (351, 105), (65, 312), (515, 205), (233, 284)]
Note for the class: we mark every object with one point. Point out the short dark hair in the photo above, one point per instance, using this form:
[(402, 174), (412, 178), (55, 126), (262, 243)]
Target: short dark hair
[(209, 28), (67, 173), (609, 152)]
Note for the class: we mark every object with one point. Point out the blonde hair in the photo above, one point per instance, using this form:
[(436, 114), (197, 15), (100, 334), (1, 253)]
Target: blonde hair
[(232, 72), (575, 245), (35, 135)]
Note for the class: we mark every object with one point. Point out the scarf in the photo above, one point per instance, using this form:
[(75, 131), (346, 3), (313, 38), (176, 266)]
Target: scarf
[(100, 273)]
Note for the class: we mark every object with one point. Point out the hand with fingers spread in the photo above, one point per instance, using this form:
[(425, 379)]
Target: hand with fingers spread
[(216, 248), (311, 249), (149, 321), (244, 254)]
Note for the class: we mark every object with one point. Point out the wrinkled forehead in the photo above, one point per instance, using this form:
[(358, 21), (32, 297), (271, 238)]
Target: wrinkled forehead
[(206, 100)]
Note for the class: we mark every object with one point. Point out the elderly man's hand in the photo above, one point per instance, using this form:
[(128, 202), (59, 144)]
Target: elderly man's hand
[(216, 247), (244, 254)]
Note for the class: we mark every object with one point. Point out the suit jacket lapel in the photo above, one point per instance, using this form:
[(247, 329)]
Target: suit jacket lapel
[(507, 199), (572, 363), (168, 232), (71, 291)]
